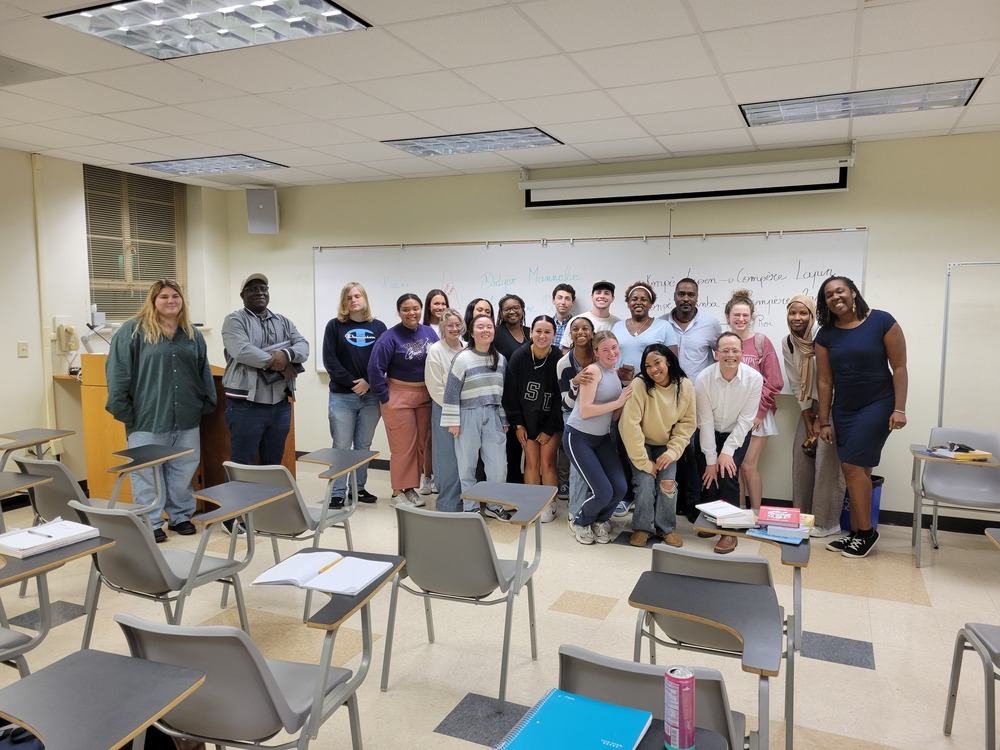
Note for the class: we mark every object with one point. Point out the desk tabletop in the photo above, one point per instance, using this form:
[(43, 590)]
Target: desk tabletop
[(144, 456), (748, 611), (33, 436), (994, 536), (133, 694), (17, 569), (527, 500), (342, 607), (704, 739), (794, 555), (923, 453), (13, 482), (236, 498), (340, 460)]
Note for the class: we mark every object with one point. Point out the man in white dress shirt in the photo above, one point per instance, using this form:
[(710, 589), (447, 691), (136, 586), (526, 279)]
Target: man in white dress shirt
[(727, 395)]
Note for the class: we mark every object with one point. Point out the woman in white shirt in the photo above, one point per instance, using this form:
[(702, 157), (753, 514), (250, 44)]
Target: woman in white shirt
[(439, 358)]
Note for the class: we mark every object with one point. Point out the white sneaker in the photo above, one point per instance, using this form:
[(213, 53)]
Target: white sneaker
[(818, 532), (415, 499), (403, 498), (434, 487), (602, 532), (583, 534), (549, 514), (425, 486)]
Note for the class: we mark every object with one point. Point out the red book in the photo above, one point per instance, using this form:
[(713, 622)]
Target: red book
[(771, 515)]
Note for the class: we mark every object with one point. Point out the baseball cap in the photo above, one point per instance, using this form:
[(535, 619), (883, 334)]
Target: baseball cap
[(252, 277), (603, 284)]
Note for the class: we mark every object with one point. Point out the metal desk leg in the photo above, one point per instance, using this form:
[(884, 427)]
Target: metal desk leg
[(763, 712), (797, 606), (793, 646)]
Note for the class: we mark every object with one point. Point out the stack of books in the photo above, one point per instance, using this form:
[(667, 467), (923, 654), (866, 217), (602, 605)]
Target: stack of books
[(969, 455), (21, 543), (787, 525), (728, 516)]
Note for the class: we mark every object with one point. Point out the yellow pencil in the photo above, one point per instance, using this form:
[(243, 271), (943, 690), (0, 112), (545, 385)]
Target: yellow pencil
[(327, 567)]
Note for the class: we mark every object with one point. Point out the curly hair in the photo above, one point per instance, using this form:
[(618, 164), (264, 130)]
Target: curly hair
[(740, 297), (645, 287)]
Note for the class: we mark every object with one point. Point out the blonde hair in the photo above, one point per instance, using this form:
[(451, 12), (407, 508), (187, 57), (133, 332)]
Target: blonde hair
[(602, 336), (450, 312), (149, 320), (344, 312)]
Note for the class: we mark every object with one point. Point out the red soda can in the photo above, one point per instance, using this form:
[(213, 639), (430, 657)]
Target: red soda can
[(678, 708)]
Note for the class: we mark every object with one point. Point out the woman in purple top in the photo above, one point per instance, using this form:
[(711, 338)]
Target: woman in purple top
[(396, 377), (862, 383)]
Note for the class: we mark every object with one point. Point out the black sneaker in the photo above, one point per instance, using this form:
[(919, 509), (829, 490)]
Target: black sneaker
[(159, 535), (364, 496), (235, 526), (336, 503), (839, 545), (184, 528), (860, 546), (498, 512)]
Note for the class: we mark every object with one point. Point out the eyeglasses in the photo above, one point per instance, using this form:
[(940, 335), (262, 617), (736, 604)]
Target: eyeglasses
[(513, 308), (453, 326), (730, 351), (255, 289)]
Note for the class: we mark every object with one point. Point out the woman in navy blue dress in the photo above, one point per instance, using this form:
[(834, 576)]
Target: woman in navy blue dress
[(860, 357)]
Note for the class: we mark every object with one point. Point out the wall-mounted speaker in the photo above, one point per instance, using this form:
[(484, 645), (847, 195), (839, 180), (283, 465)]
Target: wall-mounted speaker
[(262, 211)]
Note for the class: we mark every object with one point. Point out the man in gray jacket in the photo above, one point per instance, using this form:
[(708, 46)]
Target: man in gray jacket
[(264, 352)]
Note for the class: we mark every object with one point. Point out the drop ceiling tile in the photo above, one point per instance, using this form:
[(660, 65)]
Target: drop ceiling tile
[(492, 160), (476, 38), (164, 82), (474, 119), (389, 127), (905, 122), (45, 137), (8, 13), (297, 157), (5, 123), (103, 128), (693, 93), (384, 12), (254, 70), (806, 40), (176, 148), (359, 55), (832, 131), (311, 134), (349, 171), (589, 24), (692, 121), (13, 145), (27, 109), (171, 121), (414, 166), (987, 93), (329, 102), (521, 79), (548, 156), (547, 110), (725, 14), (362, 152), (927, 23), (240, 141), (57, 153), (631, 148), (949, 63), (791, 81), (38, 41), (247, 112), (119, 153), (615, 129), (424, 91), (289, 176), (691, 144), (980, 116), (647, 62), (82, 95)]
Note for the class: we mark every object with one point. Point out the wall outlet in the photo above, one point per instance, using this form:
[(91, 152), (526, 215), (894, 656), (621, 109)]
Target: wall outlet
[(22, 349)]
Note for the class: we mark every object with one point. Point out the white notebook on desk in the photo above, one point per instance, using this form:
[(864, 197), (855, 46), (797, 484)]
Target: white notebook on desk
[(23, 543), (324, 571)]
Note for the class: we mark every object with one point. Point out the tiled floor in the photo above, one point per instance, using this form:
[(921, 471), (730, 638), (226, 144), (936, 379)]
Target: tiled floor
[(873, 672)]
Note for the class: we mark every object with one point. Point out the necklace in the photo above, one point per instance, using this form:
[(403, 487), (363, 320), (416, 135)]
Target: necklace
[(642, 327), (534, 361)]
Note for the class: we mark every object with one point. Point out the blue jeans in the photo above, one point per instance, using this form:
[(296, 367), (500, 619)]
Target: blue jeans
[(257, 430), (178, 497), (481, 433), (655, 511), (353, 420), (443, 452)]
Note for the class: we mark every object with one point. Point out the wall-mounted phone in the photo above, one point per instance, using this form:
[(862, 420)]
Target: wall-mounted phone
[(67, 339)]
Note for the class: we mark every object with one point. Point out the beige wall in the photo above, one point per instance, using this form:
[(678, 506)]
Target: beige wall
[(927, 202)]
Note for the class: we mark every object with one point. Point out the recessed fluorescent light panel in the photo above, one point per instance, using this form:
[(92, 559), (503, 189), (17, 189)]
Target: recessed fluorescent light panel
[(166, 29), (474, 143), (210, 165), (861, 103)]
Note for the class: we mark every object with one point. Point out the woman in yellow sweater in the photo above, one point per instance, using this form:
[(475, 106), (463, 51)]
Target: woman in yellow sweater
[(656, 425)]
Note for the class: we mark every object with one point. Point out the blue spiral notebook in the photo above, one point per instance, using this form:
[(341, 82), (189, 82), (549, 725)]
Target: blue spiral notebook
[(562, 719)]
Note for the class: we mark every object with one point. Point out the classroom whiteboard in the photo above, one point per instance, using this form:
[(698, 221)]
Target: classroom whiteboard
[(774, 266)]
